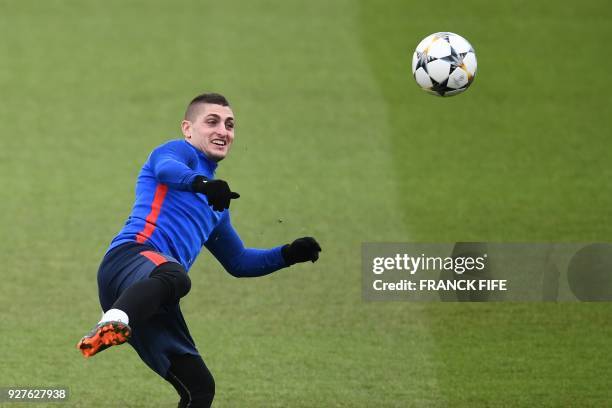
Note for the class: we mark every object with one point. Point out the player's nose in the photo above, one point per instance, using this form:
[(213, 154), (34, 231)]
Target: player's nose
[(222, 131)]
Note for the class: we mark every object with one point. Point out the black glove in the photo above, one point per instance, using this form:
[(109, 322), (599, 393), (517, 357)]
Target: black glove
[(217, 192), (301, 250)]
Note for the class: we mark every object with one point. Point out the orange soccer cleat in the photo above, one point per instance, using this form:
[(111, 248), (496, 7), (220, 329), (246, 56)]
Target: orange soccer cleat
[(104, 335)]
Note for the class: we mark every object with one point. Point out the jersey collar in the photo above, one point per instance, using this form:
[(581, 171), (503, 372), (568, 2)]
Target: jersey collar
[(210, 164)]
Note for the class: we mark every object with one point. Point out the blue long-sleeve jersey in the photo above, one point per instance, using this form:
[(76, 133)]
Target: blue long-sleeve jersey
[(176, 221)]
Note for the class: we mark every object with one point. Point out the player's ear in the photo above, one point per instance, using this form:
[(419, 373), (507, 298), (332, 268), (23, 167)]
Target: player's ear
[(186, 128)]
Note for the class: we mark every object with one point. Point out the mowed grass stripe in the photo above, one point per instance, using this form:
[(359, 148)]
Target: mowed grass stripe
[(517, 158)]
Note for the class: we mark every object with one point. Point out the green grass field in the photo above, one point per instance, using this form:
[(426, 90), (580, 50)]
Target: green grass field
[(334, 133)]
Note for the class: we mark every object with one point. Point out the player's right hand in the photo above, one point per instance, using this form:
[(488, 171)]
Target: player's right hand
[(217, 192)]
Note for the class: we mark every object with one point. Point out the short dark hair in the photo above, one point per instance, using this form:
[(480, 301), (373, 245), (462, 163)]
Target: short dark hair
[(210, 97)]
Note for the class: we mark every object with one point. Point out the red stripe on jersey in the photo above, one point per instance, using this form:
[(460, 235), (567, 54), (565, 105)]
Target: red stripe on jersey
[(154, 257), (149, 228)]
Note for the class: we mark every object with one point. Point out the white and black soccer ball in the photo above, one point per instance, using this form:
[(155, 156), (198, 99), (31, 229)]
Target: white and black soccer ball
[(444, 64)]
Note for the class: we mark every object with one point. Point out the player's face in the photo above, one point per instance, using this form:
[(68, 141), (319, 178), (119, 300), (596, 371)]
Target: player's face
[(212, 130)]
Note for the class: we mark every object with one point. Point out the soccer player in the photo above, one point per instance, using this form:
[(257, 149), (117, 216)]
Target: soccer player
[(179, 208)]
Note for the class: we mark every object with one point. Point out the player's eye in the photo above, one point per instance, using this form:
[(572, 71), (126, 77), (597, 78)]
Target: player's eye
[(229, 125)]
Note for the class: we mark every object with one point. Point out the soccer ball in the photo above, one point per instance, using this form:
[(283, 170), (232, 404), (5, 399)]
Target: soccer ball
[(444, 64)]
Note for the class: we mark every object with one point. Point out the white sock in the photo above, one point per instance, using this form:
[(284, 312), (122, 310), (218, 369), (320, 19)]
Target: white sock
[(115, 315)]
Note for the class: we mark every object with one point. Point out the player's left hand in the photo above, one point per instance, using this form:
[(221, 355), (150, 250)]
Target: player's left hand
[(301, 250)]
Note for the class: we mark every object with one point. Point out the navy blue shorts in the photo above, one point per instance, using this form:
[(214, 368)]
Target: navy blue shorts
[(163, 335)]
